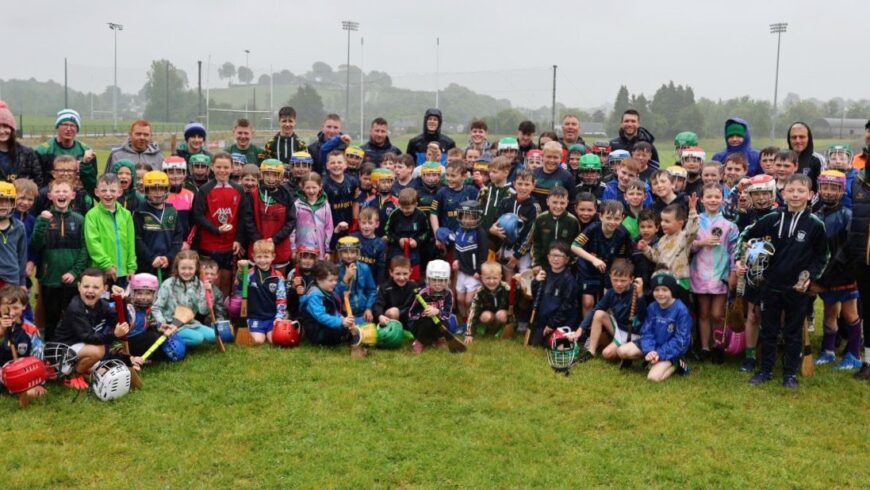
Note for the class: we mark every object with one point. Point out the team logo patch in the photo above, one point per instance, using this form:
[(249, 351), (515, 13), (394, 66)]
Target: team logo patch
[(671, 327), (273, 287), (801, 236)]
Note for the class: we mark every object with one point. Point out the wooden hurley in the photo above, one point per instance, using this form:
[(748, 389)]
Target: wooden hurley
[(135, 379), (209, 298), (454, 344), (510, 327)]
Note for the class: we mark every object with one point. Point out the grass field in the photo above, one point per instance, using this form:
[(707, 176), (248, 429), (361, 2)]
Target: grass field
[(494, 417)]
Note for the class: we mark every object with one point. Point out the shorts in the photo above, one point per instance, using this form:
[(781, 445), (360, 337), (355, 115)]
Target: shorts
[(593, 288), (224, 259), (260, 326), (524, 264), (466, 283), (77, 347), (621, 336), (834, 297)]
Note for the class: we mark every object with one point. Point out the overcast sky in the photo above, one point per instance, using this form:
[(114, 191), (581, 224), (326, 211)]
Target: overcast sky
[(503, 48)]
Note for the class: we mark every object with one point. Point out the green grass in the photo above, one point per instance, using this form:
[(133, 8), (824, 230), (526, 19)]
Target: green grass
[(494, 417)]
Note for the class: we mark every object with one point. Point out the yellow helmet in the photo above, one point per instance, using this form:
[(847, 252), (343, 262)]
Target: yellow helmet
[(272, 165), (382, 173), (355, 151), (155, 178), (7, 191), (348, 243)]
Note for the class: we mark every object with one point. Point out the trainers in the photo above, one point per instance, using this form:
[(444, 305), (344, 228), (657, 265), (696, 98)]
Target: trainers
[(849, 362), (417, 347), (682, 368), (790, 382), (585, 356), (703, 355), (76, 383), (749, 365), (717, 356), (826, 357), (863, 373), (760, 378)]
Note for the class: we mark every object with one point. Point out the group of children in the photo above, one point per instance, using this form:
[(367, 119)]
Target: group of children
[(633, 259)]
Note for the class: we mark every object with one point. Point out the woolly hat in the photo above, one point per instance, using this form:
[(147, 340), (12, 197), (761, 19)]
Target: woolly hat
[(735, 129), (68, 115), (194, 128), (667, 280), (6, 116)]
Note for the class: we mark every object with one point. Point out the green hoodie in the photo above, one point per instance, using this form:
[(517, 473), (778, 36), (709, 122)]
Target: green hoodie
[(61, 242), (130, 199), (111, 239)]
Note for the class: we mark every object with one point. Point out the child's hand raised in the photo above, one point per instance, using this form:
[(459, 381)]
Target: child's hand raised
[(345, 138), (541, 276), (118, 291), (693, 202), (45, 214), (642, 245)]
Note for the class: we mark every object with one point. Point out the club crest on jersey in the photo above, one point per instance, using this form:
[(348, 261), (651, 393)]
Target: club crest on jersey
[(801, 236), (223, 215), (273, 287), (671, 327)]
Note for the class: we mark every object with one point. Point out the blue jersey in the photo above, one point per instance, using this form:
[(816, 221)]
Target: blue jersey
[(607, 249), (341, 197), (373, 254), (667, 331), (447, 202)]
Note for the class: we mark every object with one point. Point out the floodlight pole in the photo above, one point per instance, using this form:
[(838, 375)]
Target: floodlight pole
[(777, 28), (115, 27), (348, 25)]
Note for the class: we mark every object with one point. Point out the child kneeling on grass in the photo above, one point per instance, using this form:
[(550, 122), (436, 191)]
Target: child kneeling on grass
[(267, 293), (489, 307), (320, 310), (666, 332)]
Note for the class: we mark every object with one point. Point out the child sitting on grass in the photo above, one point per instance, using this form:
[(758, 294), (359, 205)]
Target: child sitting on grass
[(321, 309), (89, 325), (184, 288), (439, 300), (666, 332), (396, 294), (612, 313)]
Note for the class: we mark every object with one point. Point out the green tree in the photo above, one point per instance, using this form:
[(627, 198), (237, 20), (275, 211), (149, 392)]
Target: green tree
[(308, 105), (246, 75), (619, 106), (165, 92), (227, 71)]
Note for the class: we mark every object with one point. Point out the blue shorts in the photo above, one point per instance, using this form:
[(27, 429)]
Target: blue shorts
[(834, 297), (260, 326), (593, 288)]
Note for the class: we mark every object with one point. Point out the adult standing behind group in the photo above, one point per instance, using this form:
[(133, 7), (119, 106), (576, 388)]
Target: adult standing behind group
[(738, 140), (630, 132), (68, 124), (571, 131), (810, 163), (432, 121), (379, 143), (139, 148), (861, 159), (16, 160)]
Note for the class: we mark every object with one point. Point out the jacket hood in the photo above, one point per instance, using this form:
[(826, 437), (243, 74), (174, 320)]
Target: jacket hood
[(436, 113), (130, 165), (321, 200), (747, 140), (152, 148), (809, 149)]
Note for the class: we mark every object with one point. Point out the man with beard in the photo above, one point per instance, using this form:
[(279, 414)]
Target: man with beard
[(631, 131), (139, 148), (379, 143)]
